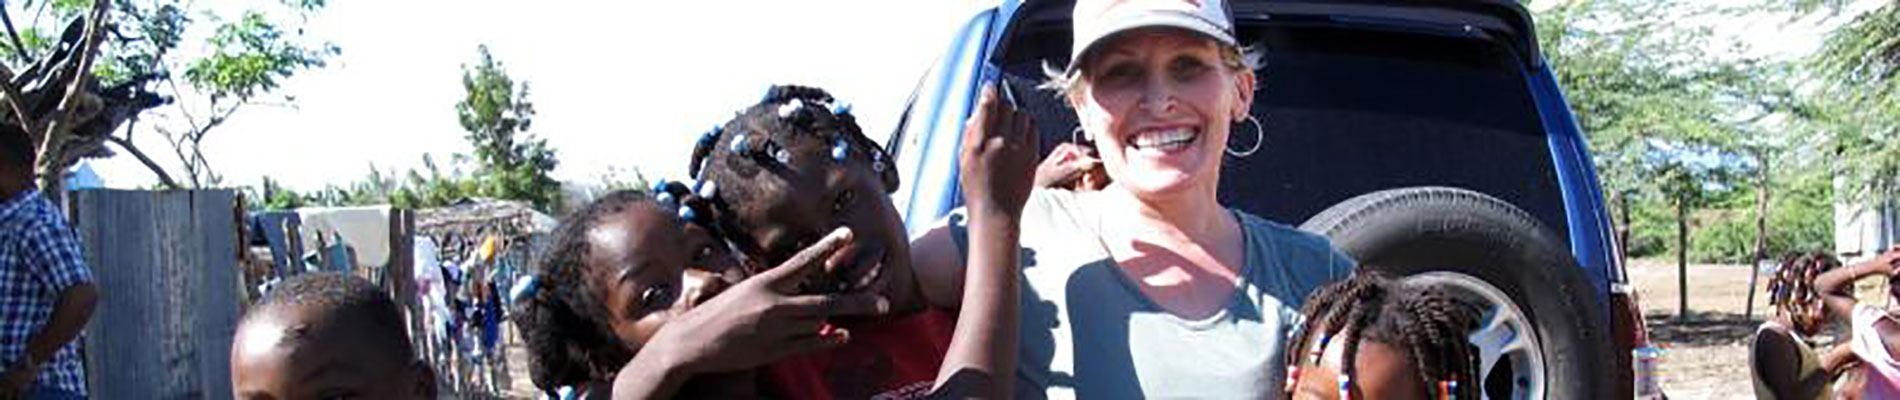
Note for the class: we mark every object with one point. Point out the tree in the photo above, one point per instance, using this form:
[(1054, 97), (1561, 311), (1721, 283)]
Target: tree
[(511, 162), (112, 58), (1662, 112), (1860, 62), (249, 58), (435, 189), (275, 197), (1858, 69), (52, 93)]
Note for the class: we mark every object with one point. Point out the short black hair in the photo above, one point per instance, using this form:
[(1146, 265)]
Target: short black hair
[(1429, 322), (566, 328), (334, 293), (16, 149)]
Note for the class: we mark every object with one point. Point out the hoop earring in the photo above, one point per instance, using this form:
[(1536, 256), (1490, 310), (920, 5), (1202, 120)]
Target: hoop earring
[(1260, 138), (1075, 135)]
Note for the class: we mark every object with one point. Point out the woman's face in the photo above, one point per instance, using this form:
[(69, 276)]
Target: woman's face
[(1159, 104), (651, 267)]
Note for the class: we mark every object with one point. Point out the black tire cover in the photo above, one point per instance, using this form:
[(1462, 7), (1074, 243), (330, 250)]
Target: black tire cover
[(1424, 229)]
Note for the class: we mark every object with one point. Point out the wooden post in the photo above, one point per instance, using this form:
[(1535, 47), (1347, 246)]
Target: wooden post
[(1682, 257)]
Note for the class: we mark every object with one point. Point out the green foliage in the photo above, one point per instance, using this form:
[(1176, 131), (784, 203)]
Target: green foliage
[(1799, 220), (276, 198), (511, 162), (249, 56), (33, 40), (617, 179), (435, 189), (1860, 66)]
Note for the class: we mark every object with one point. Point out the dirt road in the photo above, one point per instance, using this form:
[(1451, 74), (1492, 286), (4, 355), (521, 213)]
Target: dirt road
[(1707, 354)]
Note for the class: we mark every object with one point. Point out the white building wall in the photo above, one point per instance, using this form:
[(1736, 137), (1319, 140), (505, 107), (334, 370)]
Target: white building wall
[(1861, 231)]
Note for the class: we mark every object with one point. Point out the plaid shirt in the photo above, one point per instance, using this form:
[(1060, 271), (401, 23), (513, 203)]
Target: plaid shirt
[(39, 257)]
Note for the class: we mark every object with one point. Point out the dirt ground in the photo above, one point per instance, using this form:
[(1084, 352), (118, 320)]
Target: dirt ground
[(1707, 354)]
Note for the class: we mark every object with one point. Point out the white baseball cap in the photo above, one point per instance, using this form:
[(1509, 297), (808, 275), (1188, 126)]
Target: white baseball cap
[(1096, 20)]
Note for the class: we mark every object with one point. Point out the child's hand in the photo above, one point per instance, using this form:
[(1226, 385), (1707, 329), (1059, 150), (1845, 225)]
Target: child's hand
[(762, 320), (998, 162), (1070, 166)]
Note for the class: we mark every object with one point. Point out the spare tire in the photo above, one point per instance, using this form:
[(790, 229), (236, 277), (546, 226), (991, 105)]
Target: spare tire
[(1542, 336)]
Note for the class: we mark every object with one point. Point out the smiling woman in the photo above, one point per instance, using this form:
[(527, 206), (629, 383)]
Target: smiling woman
[(1118, 281)]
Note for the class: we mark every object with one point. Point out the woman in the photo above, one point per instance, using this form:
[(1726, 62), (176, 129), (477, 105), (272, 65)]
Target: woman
[(1149, 287)]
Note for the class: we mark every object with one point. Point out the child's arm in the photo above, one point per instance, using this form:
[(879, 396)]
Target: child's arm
[(998, 163), (1837, 286), (755, 322), (1838, 359)]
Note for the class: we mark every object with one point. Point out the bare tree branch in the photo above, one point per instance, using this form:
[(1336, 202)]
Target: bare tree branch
[(126, 143), (13, 101), (65, 115), (20, 52)]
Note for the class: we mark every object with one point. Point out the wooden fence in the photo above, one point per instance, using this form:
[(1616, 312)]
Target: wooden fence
[(166, 266)]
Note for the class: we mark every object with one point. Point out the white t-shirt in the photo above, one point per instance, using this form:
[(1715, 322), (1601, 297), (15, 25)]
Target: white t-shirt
[(1089, 332)]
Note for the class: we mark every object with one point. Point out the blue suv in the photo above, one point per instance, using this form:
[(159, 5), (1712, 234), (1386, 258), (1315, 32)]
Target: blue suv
[(1427, 138)]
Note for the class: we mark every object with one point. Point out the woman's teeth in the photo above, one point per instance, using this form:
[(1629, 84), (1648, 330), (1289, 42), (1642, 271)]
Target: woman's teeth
[(1165, 140)]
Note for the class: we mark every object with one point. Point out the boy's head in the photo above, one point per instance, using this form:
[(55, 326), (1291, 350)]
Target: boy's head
[(16, 159), (326, 335), (1791, 290), (618, 269), (1369, 337), (791, 168)]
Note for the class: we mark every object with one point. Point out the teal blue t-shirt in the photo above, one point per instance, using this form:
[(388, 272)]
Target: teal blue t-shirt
[(1089, 332)]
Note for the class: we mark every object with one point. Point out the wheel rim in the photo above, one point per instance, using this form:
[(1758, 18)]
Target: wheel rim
[(1504, 334)]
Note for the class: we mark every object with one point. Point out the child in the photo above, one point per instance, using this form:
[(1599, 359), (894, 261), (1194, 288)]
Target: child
[(627, 264), (1876, 332), (1369, 337), (326, 335), (1782, 360), (617, 270), (796, 165)]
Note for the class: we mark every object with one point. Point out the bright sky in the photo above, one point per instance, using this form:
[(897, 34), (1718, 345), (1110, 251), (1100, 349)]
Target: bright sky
[(617, 85)]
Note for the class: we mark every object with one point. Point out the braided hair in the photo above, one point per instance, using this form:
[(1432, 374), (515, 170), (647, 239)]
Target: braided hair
[(1429, 322), (741, 161), (1791, 290), (566, 328)]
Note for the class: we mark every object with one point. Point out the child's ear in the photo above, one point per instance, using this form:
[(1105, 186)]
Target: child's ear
[(424, 380)]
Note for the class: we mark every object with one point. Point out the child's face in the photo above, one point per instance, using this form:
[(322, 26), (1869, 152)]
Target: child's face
[(291, 353), (793, 210), (651, 267), (1382, 371)]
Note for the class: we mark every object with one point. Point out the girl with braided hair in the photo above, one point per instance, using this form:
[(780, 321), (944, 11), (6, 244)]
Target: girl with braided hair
[(784, 171), (629, 263), (1781, 354), (1371, 337), (1876, 330)]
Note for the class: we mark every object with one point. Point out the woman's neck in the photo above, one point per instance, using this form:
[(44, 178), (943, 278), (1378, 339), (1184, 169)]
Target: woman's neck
[(1190, 213)]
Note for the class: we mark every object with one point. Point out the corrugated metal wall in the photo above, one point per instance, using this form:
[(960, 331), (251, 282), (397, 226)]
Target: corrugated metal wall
[(166, 266)]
